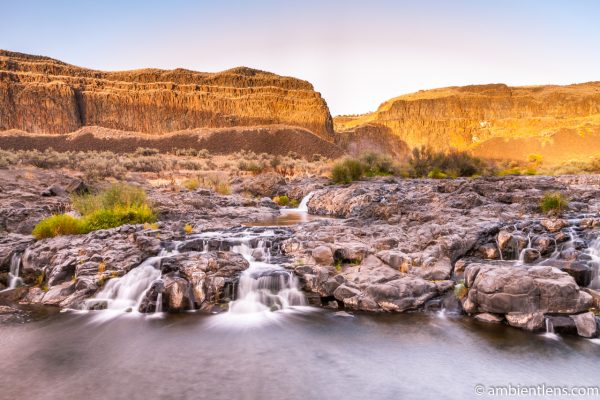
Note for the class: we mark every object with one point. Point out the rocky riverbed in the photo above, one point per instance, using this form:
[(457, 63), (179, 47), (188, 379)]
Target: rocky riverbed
[(480, 247)]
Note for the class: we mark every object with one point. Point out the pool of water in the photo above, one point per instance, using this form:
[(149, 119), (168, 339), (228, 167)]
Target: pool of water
[(295, 355)]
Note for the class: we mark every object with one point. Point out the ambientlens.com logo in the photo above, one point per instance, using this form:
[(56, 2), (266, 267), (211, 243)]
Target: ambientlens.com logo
[(537, 390)]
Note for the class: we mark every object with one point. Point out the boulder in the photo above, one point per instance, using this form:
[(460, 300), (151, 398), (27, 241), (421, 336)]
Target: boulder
[(554, 225), (504, 289), (437, 270), (580, 271), (528, 321), (54, 190), (489, 318), (562, 325), (323, 255), (268, 184), (586, 324)]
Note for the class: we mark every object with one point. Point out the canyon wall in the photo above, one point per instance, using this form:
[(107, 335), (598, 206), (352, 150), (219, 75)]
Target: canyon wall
[(43, 95), (495, 121)]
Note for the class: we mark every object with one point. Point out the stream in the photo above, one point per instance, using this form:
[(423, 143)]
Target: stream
[(269, 344)]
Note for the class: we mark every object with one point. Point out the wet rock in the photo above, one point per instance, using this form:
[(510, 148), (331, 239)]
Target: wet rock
[(554, 225), (530, 255), (10, 244), (528, 321), (505, 289), (580, 271), (562, 325), (71, 266), (197, 280), (323, 255), (586, 324), (489, 318), (489, 251), (503, 239)]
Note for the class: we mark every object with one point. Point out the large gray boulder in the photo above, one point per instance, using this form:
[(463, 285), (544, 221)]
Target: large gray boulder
[(506, 289)]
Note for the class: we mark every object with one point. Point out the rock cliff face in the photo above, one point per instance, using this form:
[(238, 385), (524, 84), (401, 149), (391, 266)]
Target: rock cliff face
[(495, 121), (43, 95)]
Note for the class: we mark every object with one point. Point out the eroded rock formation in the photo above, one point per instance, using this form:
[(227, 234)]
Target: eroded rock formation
[(43, 95), (495, 121)]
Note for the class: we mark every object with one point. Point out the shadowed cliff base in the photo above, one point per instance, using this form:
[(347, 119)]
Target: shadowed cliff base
[(277, 140)]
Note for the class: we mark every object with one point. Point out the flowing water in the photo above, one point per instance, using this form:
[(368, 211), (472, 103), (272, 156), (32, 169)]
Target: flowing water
[(13, 275), (271, 345), (302, 356)]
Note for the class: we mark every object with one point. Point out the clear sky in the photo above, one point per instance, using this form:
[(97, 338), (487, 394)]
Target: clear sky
[(356, 53)]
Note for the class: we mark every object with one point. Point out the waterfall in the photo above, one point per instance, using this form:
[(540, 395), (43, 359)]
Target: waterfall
[(594, 252), (550, 329), (126, 293), (521, 259), (264, 286), (13, 276), (303, 207)]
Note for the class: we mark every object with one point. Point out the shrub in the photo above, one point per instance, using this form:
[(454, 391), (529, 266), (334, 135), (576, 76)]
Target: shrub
[(115, 206), (553, 202), (192, 184), (218, 182), (62, 224), (117, 195), (144, 151), (117, 216), (282, 200), (453, 164), (437, 173), (347, 170), (378, 164)]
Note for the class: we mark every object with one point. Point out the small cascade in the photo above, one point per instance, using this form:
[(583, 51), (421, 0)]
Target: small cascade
[(303, 206), (264, 286), (550, 329), (499, 249), (159, 302), (13, 276), (521, 259), (126, 293), (594, 252), (290, 216)]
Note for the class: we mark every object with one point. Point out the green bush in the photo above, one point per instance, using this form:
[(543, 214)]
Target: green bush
[(115, 206), (347, 170), (62, 224), (117, 195), (453, 164), (553, 202), (117, 216), (437, 173)]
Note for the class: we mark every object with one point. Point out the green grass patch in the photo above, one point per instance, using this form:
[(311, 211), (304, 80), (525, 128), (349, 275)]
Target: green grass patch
[(553, 202), (117, 205)]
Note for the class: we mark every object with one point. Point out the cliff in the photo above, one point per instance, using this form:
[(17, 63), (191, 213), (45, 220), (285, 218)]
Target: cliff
[(495, 121), (43, 95)]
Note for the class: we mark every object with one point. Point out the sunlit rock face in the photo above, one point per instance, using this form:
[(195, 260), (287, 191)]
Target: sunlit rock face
[(43, 95), (495, 121)]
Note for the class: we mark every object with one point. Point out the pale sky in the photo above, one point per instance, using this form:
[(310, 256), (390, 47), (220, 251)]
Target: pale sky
[(356, 53)]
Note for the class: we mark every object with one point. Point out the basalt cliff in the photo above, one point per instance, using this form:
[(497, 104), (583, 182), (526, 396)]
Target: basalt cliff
[(41, 95), (494, 121)]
